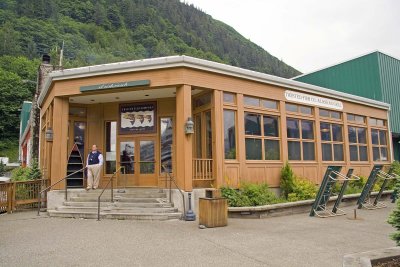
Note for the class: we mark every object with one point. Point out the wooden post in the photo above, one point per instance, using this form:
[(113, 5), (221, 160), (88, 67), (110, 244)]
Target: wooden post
[(184, 145), (59, 149), (218, 139), (9, 198)]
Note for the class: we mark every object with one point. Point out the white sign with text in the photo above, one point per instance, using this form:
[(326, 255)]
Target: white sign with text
[(313, 100)]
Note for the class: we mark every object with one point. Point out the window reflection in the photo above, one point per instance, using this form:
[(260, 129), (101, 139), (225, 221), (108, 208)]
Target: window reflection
[(166, 144)]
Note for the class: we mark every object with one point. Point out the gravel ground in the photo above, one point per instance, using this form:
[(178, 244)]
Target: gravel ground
[(297, 240)]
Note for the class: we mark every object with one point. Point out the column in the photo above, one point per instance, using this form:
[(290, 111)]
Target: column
[(59, 155), (184, 143), (218, 138)]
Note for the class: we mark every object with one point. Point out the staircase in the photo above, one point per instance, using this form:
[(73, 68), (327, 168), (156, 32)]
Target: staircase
[(134, 204)]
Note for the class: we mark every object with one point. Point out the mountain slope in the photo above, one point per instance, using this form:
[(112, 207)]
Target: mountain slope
[(102, 31)]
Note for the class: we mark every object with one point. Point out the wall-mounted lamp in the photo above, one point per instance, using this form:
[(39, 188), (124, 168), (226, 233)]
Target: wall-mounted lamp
[(49, 135), (189, 126)]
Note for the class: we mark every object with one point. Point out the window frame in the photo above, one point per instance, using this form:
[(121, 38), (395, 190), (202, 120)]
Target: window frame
[(301, 140), (332, 143), (358, 144), (264, 112)]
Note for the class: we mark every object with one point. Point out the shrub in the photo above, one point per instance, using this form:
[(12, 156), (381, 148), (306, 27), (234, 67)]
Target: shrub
[(287, 180), (302, 190), (2, 168), (20, 174), (250, 195), (34, 172), (394, 220)]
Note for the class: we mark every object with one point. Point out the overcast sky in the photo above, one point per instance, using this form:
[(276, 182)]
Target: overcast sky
[(312, 34)]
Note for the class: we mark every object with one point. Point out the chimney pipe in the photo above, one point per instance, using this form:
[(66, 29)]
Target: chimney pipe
[(46, 59)]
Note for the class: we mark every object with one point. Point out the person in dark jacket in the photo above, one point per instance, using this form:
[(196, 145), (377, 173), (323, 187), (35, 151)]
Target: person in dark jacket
[(93, 164)]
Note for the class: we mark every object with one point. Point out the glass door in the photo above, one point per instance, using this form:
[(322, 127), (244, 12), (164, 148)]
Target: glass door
[(137, 157)]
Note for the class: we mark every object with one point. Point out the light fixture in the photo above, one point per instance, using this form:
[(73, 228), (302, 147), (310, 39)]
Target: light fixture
[(49, 135), (189, 126)]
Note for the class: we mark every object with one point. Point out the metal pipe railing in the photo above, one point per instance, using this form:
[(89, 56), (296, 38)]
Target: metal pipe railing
[(59, 181), (171, 179), (104, 189)]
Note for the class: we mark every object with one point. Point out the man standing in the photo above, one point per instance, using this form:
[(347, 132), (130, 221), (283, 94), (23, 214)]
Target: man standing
[(93, 163)]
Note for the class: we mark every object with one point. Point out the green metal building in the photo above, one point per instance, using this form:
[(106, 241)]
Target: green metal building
[(375, 75)]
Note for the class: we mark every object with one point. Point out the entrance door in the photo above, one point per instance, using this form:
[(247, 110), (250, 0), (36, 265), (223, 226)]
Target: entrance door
[(137, 157)]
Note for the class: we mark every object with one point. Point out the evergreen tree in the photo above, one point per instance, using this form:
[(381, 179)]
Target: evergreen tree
[(34, 171), (2, 168), (394, 220)]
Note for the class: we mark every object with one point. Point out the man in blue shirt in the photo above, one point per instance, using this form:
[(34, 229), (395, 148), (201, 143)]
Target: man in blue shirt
[(93, 164)]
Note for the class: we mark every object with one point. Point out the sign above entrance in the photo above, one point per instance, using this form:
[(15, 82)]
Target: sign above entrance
[(313, 100), (137, 118), (105, 86)]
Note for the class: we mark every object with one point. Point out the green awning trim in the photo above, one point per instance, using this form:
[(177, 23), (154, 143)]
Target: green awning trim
[(107, 86)]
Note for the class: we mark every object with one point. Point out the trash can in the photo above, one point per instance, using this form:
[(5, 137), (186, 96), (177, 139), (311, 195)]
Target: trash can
[(213, 211)]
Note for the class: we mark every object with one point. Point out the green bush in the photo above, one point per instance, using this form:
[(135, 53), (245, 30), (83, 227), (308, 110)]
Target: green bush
[(250, 195), (302, 190), (287, 180), (2, 168), (394, 220), (34, 172), (20, 174)]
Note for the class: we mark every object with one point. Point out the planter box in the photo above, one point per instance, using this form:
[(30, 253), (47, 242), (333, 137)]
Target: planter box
[(213, 212), (289, 208)]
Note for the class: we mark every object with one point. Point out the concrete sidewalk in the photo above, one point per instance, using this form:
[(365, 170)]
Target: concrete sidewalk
[(297, 240)]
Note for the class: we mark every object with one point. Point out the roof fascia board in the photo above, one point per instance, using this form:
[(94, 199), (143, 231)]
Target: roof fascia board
[(190, 62)]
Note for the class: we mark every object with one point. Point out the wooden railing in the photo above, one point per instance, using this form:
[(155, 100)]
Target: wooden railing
[(202, 169), (21, 195)]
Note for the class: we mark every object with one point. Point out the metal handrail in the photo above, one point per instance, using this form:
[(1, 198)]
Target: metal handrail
[(104, 189), (344, 177), (171, 179), (59, 181), (387, 176)]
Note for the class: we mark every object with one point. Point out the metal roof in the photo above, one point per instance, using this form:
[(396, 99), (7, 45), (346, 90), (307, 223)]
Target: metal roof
[(25, 116), (200, 64)]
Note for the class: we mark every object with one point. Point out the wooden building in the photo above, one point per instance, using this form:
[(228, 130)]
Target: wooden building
[(246, 124)]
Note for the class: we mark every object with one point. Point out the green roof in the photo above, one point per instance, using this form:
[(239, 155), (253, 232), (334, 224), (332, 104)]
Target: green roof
[(375, 75), (25, 115)]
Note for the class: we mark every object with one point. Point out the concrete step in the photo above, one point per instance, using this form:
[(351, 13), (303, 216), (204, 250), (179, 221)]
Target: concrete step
[(118, 204), (116, 215), (112, 209), (118, 199), (128, 194)]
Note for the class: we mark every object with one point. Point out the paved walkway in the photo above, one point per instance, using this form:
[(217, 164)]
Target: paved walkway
[(298, 240)]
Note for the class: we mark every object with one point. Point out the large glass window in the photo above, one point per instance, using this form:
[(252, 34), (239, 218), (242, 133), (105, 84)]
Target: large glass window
[(332, 141), (203, 135), (229, 98), (127, 157), (305, 110), (166, 140), (147, 161), (111, 141), (330, 114), (356, 118), (202, 100), (208, 135), (230, 134), (379, 145), (358, 144), (258, 102), (262, 137), (252, 124), (300, 133)]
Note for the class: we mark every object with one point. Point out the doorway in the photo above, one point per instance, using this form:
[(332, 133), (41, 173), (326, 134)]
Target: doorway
[(137, 157)]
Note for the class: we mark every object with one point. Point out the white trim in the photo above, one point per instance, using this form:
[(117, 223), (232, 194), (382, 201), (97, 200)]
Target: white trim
[(195, 63), (341, 62)]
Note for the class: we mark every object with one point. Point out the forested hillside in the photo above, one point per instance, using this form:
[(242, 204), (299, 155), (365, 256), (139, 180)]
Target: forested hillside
[(103, 31)]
